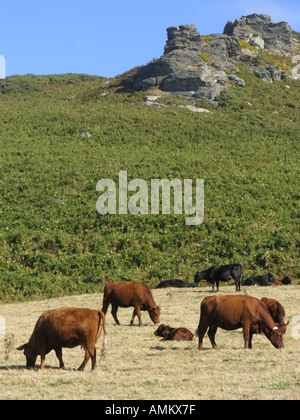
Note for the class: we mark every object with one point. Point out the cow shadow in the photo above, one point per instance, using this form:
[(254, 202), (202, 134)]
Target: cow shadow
[(174, 348), (34, 369)]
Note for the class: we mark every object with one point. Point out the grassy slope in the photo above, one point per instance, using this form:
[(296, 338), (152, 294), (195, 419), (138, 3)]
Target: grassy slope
[(247, 155)]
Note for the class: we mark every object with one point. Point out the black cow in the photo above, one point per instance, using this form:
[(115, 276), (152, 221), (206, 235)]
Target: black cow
[(174, 283), (219, 273), (259, 280)]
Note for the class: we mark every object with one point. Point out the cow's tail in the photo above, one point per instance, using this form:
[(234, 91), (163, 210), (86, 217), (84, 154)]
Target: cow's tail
[(101, 326)]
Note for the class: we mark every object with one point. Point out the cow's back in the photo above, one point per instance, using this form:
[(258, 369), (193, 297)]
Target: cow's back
[(230, 311), (125, 293), (63, 326)]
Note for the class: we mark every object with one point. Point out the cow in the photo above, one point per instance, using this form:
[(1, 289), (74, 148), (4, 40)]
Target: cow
[(280, 282), (65, 328), (174, 283), (233, 312), (172, 334), (219, 273), (264, 280), (126, 294), (277, 312)]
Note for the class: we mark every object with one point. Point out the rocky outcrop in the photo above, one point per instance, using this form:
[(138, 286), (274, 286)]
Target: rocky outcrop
[(188, 67), (260, 32), (194, 66)]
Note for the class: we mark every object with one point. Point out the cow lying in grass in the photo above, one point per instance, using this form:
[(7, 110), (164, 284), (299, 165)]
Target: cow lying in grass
[(68, 328), (174, 334), (174, 283)]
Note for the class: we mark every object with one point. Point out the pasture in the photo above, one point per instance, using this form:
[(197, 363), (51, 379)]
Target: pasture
[(140, 366)]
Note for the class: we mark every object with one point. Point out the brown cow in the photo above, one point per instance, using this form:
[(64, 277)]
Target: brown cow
[(277, 312), (281, 282), (126, 294), (178, 334), (233, 312), (65, 327)]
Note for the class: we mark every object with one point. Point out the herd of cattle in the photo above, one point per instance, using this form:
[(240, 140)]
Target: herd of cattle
[(71, 327)]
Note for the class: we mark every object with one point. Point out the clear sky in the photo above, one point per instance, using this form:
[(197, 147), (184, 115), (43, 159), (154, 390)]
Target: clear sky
[(106, 38)]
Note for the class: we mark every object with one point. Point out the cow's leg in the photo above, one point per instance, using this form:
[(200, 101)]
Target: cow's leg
[(86, 359), (106, 303), (212, 286), (201, 330), (137, 311), (246, 331), (217, 282), (58, 352), (114, 313), (43, 356), (250, 340), (93, 356), (211, 334), (237, 280)]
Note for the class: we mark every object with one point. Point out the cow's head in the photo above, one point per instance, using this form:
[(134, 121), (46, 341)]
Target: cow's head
[(275, 336), (30, 354), (198, 276), (287, 280), (162, 330), (155, 314)]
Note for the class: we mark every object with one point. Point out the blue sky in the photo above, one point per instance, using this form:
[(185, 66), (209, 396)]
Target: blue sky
[(106, 38)]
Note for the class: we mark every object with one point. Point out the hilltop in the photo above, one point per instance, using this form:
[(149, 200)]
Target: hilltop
[(196, 67), (61, 134)]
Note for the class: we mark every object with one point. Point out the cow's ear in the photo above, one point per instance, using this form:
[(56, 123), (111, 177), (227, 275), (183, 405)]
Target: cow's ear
[(23, 347)]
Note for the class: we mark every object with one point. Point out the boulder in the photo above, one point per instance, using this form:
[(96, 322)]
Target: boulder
[(233, 78), (268, 74)]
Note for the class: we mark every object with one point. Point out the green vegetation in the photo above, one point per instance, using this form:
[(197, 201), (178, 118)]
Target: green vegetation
[(245, 44), (205, 57), (247, 155)]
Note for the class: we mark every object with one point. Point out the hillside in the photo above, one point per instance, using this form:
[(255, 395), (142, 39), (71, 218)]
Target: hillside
[(61, 134)]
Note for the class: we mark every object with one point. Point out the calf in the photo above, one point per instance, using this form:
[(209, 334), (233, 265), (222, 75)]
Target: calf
[(174, 283), (233, 312), (178, 334), (65, 327), (264, 280), (219, 273), (126, 294)]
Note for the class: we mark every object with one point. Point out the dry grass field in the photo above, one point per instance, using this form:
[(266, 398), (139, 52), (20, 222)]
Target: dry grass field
[(140, 366)]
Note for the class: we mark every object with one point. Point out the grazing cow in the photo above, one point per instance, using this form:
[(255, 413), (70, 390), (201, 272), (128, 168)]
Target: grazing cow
[(259, 280), (174, 283), (65, 327), (233, 312), (221, 273), (178, 334), (277, 312), (127, 294)]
